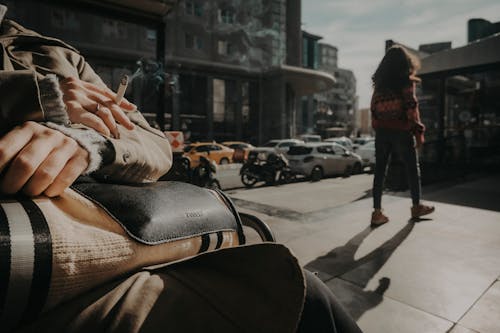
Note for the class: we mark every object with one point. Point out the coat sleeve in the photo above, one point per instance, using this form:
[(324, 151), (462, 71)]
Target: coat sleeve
[(140, 155), (413, 113), (20, 99)]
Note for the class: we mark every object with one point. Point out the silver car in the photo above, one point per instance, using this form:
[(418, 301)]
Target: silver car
[(282, 145), (367, 153), (320, 159)]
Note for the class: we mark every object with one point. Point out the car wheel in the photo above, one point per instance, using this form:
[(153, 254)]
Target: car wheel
[(357, 169), (224, 160), (316, 174), (347, 171)]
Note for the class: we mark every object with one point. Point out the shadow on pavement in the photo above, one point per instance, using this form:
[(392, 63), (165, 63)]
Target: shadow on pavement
[(476, 191), (340, 261)]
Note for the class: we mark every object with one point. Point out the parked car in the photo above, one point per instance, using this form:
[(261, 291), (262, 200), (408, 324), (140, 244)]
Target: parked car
[(343, 141), (216, 152), (241, 150), (310, 137), (282, 146), (317, 160), (367, 154), (358, 142)]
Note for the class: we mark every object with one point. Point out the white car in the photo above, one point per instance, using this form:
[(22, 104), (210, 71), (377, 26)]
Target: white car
[(282, 146), (367, 154), (320, 159), (343, 141)]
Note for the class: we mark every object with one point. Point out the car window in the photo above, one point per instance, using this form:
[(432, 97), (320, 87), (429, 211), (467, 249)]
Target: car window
[(187, 148), (299, 150), (269, 144), (215, 147), (286, 144), (325, 150), (203, 148), (338, 150)]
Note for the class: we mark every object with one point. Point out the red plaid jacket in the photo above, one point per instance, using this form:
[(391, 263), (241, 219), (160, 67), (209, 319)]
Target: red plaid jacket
[(398, 111)]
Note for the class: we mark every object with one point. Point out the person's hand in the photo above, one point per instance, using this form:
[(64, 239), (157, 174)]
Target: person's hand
[(37, 159), (94, 106)]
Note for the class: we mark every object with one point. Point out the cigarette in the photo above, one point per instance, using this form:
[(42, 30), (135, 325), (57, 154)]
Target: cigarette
[(121, 89)]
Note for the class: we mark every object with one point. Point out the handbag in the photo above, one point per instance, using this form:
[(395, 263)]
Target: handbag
[(53, 249)]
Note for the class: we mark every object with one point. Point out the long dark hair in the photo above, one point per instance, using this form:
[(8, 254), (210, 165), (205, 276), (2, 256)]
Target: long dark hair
[(396, 70)]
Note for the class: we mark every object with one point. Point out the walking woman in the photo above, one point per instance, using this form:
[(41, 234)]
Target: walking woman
[(396, 120)]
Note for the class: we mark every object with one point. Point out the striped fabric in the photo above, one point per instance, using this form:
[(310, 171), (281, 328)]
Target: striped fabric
[(34, 274), (25, 262)]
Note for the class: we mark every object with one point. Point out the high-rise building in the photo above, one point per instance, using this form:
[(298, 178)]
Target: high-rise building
[(334, 110), (237, 69)]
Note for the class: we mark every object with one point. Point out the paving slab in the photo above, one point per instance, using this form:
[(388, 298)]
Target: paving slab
[(461, 329), (439, 274), (484, 316), (440, 267), (375, 313), (309, 196)]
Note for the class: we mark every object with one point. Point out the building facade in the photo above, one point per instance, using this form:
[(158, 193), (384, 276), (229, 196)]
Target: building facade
[(236, 69), (214, 69)]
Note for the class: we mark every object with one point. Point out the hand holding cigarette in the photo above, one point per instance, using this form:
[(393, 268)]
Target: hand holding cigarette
[(96, 107)]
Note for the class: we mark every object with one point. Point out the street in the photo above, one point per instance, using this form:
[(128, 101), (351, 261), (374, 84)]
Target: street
[(439, 274)]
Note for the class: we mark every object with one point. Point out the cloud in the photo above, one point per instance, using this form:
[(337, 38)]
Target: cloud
[(359, 28)]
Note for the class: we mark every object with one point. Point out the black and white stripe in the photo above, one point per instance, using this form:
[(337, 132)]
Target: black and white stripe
[(212, 241), (26, 261)]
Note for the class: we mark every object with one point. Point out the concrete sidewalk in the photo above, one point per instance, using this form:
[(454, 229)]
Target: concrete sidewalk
[(440, 274)]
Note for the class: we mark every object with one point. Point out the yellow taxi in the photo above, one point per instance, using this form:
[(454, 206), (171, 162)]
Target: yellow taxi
[(216, 152), (241, 149)]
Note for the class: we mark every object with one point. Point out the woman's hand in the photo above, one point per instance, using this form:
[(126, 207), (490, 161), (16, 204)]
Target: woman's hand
[(95, 107), (37, 159)]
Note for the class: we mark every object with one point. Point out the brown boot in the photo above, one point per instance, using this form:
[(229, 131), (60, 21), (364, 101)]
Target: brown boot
[(421, 210), (378, 218)]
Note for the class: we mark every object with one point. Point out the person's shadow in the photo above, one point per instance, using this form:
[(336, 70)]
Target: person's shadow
[(340, 261)]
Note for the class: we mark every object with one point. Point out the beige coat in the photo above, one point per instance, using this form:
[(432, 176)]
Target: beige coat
[(142, 154)]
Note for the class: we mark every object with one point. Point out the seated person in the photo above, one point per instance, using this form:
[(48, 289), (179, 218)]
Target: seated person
[(58, 122)]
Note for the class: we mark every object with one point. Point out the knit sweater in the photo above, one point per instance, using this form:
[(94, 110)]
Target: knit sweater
[(398, 111)]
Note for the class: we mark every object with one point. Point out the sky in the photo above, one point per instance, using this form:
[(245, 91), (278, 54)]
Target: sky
[(359, 28)]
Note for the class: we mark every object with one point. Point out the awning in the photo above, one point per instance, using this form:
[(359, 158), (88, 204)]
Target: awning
[(305, 81), (483, 52), (157, 8)]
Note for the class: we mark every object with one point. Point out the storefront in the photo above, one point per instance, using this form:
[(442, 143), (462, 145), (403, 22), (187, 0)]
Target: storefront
[(460, 106)]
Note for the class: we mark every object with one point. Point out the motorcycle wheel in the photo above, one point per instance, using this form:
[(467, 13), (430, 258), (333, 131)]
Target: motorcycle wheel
[(286, 177), (248, 180)]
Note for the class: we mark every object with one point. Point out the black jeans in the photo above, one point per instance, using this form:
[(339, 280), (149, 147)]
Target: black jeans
[(403, 143), (322, 312)]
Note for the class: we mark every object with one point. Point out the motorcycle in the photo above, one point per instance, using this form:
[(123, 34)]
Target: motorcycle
[(203, 174), (271, 170)]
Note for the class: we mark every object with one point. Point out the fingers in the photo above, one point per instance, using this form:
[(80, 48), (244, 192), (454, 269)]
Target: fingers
[(67, 176), (120, 116), (109, 94), (39, 159), (82, 116), (50, 168), (100, 110), (81, 97), (29, 158), (14, 141)]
